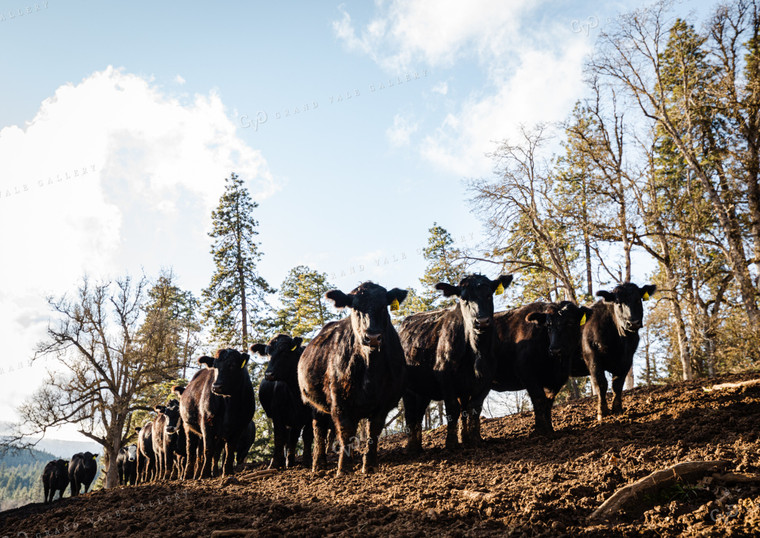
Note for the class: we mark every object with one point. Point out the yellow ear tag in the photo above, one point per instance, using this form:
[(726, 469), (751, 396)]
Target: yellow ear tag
[(94, 457), (242, 365), (294, 347), (583, 320), (645, 296), (499, 289), (394, 305)]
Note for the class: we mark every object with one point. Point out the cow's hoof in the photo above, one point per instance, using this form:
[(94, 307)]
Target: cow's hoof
[(345, 472), (369, 469)]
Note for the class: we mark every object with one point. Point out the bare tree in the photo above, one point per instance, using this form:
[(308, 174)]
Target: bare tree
[(104, 366)]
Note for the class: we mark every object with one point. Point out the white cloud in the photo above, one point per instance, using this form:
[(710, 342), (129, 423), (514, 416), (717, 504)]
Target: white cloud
[(400, 133), (148, 157), (441, 88), (179, 80), (532, 67), (437, 32)]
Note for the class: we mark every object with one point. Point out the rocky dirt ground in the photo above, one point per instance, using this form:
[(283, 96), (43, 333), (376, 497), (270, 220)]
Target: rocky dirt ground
[(515, 484)]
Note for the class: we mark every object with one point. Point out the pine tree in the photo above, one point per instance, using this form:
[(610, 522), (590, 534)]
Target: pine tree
[(234, 299), (304, 308), (444, 265)]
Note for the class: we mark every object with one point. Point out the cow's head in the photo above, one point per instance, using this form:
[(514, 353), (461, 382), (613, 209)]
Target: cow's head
[(563, 322), (475, 294), (283, 352), (626, 300), (132, 452), (171, 411), (229, 370), (369, 310)]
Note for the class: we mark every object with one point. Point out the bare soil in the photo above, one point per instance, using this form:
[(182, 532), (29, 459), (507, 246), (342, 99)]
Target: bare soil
[(514, 484)]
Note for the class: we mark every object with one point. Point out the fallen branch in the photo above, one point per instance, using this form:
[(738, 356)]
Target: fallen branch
[(741, 384), (657, 480)]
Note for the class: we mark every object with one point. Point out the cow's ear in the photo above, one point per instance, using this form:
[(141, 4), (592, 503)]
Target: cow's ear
[(395, 297), (261, 349), (339, 299), (176, 389), (539, 318), (607, 296), (94, 456), (246, 356), (137, 430), (160, 408), (585, 314), (448, 290), (208, 361), (297, 341), (647, 291), (500, 284)]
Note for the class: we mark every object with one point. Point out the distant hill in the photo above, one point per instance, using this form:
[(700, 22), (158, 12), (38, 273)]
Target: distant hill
[(20, 474), (66, 449), (21, 471)]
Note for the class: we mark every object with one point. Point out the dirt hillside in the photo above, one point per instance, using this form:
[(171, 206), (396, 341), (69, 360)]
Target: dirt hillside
[(514, 484)]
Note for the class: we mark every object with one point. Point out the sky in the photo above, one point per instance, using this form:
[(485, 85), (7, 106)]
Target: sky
[(356, 126)]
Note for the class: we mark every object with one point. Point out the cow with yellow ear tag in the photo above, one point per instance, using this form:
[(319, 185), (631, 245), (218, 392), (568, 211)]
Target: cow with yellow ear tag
[(450, 357), (280, 397), (537, 346), (610, 339)]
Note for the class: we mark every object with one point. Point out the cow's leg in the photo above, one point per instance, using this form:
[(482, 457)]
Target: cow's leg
[(414, 410), (308, 442), (540, 406), (618, 381), (320, 424), (453, 412), (293, 435), (463, 430), (191, 445), (209, 451), (346, 431), (376, 425), (280, 438), (228, 468), (599, 383), (473, 423)]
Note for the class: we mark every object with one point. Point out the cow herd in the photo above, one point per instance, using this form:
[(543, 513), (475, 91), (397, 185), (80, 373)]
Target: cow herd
[(60, 474), (360, 367)]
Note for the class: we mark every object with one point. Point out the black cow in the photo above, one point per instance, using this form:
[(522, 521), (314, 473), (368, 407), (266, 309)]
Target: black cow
[(449, 357), (146, 458), (164, 437), (82, 471), (537, 346), (55, 477), (216, 408), (281, 399), (126, 465), (354, 369), (610, 339)]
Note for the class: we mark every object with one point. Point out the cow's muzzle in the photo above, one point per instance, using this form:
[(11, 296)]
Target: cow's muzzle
[(373, 340), (171, 429), (482, 323), (555, 351)]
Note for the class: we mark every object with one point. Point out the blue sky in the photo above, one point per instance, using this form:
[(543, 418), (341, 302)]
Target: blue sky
[(120, 122)]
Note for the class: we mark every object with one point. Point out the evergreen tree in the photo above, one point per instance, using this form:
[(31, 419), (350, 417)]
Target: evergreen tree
[(444, 265), (304, 307), (234, 299)]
